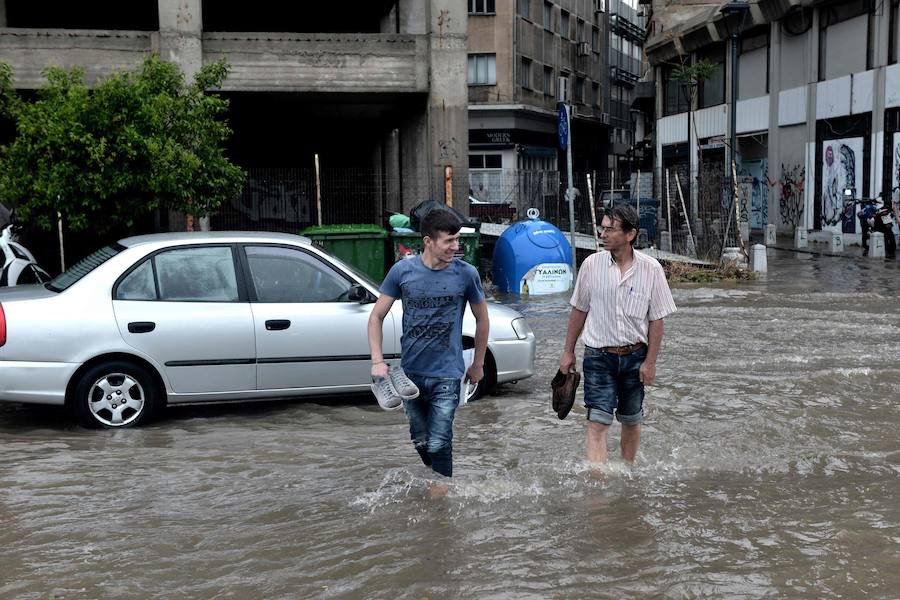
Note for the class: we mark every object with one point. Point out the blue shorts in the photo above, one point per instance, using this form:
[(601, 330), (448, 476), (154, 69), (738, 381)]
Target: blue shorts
[(612, 385)]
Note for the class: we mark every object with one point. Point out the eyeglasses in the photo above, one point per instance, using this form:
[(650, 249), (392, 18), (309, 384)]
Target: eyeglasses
[(602, 229)]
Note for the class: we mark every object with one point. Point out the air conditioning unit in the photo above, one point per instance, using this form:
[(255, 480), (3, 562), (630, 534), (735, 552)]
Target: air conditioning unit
[(599, 6), (563, 88), (583, 49), (604, 118)]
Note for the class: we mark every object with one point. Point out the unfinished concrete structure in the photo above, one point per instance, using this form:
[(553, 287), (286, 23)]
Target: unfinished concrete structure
[(374, 86), (818, 104)]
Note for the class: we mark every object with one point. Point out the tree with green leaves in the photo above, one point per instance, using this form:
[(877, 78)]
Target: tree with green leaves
[(105, 157)]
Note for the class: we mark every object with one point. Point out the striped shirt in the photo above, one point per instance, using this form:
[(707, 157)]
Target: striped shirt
[(620, 307)]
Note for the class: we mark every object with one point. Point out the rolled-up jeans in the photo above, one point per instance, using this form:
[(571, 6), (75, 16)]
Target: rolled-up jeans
[(431, 419)]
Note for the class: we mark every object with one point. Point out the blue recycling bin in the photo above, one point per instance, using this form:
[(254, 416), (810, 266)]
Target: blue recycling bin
[(533, 257)]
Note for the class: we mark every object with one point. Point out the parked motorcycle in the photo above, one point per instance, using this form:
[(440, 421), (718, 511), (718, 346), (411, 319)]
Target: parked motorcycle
[(875, 216), (18, 264)]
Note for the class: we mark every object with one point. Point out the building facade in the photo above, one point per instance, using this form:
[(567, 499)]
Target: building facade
[(377, 91), (817, 109), (525, 57)]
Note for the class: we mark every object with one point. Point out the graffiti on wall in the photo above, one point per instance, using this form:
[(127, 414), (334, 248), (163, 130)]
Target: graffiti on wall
[(754, 192), (895, 179), (841, 169), (790, 203)]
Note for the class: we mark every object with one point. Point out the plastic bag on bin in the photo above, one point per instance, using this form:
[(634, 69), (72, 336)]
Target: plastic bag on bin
[(426, 206)]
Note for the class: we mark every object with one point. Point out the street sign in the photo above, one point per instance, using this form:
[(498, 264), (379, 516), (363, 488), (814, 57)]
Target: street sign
[(563, 127)]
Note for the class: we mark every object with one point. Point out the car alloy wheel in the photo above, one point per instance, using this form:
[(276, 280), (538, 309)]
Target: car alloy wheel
[(115, 395)]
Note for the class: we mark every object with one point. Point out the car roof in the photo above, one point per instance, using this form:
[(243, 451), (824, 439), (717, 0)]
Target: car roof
[(194, 237)]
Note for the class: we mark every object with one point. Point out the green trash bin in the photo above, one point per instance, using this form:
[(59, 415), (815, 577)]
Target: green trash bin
[(362, 246), (405, 245)]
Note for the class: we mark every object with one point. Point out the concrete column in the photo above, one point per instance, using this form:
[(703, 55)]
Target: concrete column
[(415, 158), (811, 95), (800, 237), (179, 38), (393, 201), (774, 130), (413, 16), (448, 98), (879, 144), (771, 234)]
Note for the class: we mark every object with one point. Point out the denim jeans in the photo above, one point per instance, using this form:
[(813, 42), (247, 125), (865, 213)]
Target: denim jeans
[(431, 420), (612, 384)]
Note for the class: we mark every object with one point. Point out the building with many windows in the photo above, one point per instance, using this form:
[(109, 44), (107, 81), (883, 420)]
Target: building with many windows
[(525, 57), (376, 89), (817, 109)]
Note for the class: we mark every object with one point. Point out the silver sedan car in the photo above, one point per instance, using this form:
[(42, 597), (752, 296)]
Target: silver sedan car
[(208, 317)]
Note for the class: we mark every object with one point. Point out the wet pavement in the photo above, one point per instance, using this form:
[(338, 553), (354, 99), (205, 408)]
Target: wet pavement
[(769, 467)]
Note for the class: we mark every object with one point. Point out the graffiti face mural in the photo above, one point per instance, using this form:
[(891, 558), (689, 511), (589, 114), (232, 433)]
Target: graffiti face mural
[(841, 169)]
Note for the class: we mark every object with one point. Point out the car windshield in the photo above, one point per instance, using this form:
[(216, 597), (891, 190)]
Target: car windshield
[(66, 279)]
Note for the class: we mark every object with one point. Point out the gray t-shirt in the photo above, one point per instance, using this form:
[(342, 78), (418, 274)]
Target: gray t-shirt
[(434, 301)]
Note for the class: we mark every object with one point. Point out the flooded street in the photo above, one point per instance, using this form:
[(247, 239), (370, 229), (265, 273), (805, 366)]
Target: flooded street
[(769, 467)]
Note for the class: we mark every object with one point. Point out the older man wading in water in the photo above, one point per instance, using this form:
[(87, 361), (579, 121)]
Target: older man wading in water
[(619, 302)]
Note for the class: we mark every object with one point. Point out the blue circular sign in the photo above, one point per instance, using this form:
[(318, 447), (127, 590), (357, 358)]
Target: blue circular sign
[(563, 127)]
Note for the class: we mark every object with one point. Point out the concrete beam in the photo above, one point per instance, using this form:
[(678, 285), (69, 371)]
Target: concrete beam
[(361, 63)]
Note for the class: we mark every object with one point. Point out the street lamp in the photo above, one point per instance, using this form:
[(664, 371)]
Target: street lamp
[(733, 15)]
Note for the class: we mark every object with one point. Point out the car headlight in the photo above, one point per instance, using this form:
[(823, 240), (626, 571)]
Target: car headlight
[(521, 327)]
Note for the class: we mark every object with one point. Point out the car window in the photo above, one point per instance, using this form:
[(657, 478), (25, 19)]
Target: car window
[(29, 276), (138, 285), (287, 275), (196, 274), (83, 267)]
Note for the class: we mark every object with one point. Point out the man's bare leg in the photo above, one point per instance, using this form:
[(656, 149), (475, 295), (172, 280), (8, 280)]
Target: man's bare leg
[(437, 490), (596, 442), (631, 437)]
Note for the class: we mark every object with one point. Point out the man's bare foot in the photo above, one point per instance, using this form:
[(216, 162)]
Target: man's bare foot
[(436, 490)]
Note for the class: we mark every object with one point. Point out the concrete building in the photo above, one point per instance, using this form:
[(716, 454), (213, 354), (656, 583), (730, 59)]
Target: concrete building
[(525, 57), (818, 106), (374, 86)]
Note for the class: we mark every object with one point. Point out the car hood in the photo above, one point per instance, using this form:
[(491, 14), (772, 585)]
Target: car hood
[(499, 311)]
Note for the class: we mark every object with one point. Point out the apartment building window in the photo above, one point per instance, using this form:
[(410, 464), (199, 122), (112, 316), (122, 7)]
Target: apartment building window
[(482, 69), (675, 95), (548, 82), (754, 65), (579, 90), (894, 36), (548, 16), (524, 8), (581, 37), (481, 7), (485, 161), (564, 24), (840, 29), (712, 90), (595, 94), (595, 39), (525, 75)]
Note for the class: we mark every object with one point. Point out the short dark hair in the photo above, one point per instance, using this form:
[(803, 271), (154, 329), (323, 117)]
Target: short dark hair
[(439, 220), (626, 215)]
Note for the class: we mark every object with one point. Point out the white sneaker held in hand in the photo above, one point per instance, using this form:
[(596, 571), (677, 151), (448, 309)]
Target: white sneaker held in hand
[(384, 392), (403, 385)]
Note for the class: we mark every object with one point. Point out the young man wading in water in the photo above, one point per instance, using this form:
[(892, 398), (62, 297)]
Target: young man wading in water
[(434, 288), (619, 301)]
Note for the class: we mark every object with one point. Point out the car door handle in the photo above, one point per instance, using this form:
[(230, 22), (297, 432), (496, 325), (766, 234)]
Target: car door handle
[(141, 326), (277, 324)]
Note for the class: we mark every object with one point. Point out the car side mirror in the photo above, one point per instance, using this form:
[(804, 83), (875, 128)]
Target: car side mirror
[(357, 293)]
